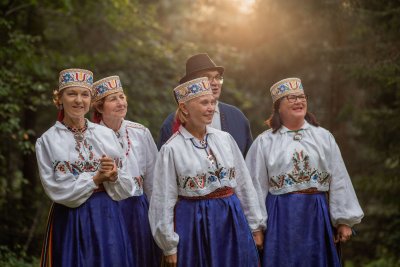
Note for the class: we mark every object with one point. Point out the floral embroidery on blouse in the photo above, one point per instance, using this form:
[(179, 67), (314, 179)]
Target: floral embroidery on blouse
[(132, 124), (86, 162), (202, 181), (77, 167), (301, 173)]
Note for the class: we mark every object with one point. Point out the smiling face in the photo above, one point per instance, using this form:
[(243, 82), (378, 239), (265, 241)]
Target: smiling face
[(115, 107), (292, 113), (200, 110), (76, 102)]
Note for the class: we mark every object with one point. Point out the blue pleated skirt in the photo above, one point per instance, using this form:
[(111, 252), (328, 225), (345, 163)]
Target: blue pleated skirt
[(214, 233), (93, 234), (135, 213), (299, 232)]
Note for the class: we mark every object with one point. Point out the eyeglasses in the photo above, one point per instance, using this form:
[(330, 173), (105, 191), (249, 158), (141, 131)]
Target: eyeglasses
[(293, 98), (219, 79)]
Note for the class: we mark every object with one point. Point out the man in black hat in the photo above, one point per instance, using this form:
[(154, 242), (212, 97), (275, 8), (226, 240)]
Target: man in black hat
[(227, 118)]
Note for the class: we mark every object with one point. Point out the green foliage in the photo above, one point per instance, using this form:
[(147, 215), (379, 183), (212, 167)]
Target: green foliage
[(384, 262), (10, 258), (377, 70)]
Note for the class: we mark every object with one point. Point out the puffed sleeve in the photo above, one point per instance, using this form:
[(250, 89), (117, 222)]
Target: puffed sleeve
[(65, 188), (343, 203), (163, 200), (124, 186), (245, 190), (151, 156), (256, 164)]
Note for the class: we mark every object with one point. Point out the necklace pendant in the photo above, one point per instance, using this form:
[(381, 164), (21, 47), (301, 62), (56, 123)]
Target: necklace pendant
[(203, 143), (78, 137), (297, 137)]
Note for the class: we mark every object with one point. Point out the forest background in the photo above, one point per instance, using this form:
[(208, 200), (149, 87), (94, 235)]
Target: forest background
[(347, 53)]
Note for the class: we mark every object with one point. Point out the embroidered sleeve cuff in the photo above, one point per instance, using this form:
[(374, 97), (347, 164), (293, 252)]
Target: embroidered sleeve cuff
[(170, 252), (348, 222)]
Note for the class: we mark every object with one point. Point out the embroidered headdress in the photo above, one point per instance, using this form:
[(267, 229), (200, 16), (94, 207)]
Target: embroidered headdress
[(75, 77), (286, 87), (192, 89), (105, 87)]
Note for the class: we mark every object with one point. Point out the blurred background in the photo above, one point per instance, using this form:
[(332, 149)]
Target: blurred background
[(347, 53)]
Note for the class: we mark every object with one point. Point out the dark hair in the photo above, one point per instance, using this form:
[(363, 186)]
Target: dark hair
[(98, 105), (275, 123)]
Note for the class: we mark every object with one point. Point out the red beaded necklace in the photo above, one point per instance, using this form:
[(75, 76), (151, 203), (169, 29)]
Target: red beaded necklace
[(127, 138), (78, 133), (129, 141)]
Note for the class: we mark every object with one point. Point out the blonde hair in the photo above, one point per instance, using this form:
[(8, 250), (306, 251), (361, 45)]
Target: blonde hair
[(57, 98), (180, 116)]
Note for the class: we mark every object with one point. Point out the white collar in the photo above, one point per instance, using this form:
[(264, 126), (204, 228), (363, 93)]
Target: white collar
[(187, 135), (120, 127), (216, 107), (305, 126)]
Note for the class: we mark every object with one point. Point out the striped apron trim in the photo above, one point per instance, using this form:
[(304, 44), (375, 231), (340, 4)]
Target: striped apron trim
[(47, 253)]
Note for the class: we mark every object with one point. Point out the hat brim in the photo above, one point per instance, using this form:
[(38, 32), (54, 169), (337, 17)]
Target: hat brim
[(191, 75)]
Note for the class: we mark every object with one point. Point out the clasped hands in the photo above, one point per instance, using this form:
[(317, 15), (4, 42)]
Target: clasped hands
[(108, 171)]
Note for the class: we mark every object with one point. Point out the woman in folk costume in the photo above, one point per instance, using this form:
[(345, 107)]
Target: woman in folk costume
[(204, 207), (303, 185), (83, 170), (110, 107)]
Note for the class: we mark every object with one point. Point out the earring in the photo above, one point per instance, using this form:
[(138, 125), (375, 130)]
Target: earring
[(60, 107)]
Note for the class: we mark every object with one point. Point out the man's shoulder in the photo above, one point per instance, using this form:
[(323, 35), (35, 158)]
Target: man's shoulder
[(168, 120), (231, 110), (229, 107)]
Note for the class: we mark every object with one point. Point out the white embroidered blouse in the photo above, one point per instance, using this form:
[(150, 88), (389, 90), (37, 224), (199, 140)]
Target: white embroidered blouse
[(184, 168), (279, 164), (141, 152), (67, 167)]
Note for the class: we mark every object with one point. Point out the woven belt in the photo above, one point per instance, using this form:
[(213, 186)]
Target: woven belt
[(99, 189), (219, 193), (307, 191)]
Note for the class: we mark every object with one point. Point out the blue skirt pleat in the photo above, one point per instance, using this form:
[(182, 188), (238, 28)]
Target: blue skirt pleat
[(214, 233), (135, 213), (299, 232), (91, 235)]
